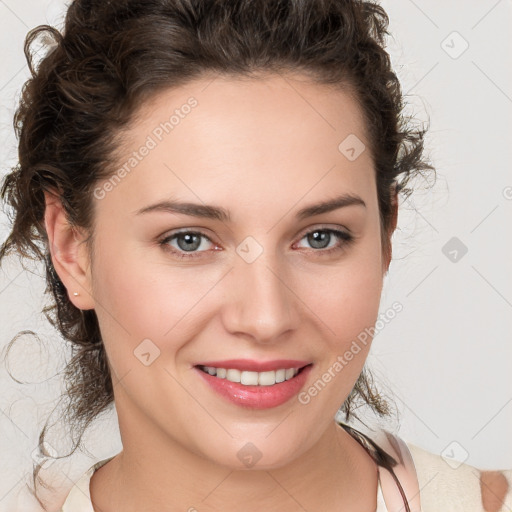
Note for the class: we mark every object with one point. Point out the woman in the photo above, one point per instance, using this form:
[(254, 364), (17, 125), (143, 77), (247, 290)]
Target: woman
[(215, 186)]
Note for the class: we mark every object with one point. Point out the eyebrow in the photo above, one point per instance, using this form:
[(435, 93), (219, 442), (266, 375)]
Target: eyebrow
[(219, 213)]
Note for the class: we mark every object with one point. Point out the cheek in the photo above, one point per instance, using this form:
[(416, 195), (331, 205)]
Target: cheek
[(345, 297), (348, 310), (128, 302), (345, 300), (140, 298)]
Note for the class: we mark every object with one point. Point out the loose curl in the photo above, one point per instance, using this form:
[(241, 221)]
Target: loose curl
[(111, 56)]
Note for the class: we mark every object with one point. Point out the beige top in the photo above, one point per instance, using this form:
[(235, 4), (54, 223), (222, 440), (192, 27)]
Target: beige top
[(79, 498), (441, 484)]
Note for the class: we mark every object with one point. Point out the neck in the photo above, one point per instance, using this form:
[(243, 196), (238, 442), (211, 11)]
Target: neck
[(159, 474)]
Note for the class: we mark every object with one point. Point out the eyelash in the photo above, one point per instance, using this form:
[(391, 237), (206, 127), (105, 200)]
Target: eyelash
[(342, 236)]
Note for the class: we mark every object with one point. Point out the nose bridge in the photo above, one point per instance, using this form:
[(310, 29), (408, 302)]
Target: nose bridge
[(262, 302)]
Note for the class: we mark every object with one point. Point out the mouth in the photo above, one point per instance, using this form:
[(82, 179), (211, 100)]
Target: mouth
[(255, 389), (253, 378)]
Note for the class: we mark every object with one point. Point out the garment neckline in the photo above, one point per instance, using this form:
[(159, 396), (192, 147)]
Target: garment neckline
[(85, 492), (84, 483)]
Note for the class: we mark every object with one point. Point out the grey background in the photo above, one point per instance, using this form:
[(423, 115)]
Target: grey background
[(445, 359)]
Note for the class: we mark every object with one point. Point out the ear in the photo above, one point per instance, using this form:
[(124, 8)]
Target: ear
[(68, 252), (392, 224)]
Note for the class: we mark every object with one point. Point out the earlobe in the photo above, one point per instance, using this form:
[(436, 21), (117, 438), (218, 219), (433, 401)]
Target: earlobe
[(68, 252)]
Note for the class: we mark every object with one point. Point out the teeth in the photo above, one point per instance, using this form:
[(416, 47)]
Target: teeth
[(267, 378), (233, 375), (252, 378), (280, 375), (289, 373), (249, 378)]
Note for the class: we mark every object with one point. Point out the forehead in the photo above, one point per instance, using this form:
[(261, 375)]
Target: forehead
[(271, 136), (278, 100)]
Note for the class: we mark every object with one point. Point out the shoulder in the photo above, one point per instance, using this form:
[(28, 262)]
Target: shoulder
[(441, 482), (460, 484), (79, 498)]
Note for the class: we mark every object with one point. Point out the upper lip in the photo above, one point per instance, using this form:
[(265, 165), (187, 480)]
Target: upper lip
[(252, 365)]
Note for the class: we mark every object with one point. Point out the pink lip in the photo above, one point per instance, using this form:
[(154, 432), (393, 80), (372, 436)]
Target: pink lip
[(251, 365), (256, 397)]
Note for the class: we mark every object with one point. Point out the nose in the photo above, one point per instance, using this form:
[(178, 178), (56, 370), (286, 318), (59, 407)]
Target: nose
[(261, 302)]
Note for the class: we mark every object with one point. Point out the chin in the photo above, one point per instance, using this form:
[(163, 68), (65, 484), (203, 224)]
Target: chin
[(260, 454)]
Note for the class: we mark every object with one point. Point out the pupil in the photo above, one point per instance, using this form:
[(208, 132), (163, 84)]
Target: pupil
[(318, 237), (190, 244)]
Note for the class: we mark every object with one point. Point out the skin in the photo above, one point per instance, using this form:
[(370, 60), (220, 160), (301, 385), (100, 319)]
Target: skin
[(262, 149)]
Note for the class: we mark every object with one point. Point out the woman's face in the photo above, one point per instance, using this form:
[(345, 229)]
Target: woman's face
[(265, 285)]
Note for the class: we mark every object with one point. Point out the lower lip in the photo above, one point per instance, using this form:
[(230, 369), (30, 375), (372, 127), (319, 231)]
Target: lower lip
[(257, 397)]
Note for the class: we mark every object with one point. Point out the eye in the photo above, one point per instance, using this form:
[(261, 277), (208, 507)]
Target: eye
[(320, 238), (187, 242)]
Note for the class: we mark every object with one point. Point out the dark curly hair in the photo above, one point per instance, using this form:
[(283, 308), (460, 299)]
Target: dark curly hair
[(113, 55)]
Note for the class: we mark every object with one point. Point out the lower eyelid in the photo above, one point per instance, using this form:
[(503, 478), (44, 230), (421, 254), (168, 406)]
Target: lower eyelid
[(342, 237), (166, 240)]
